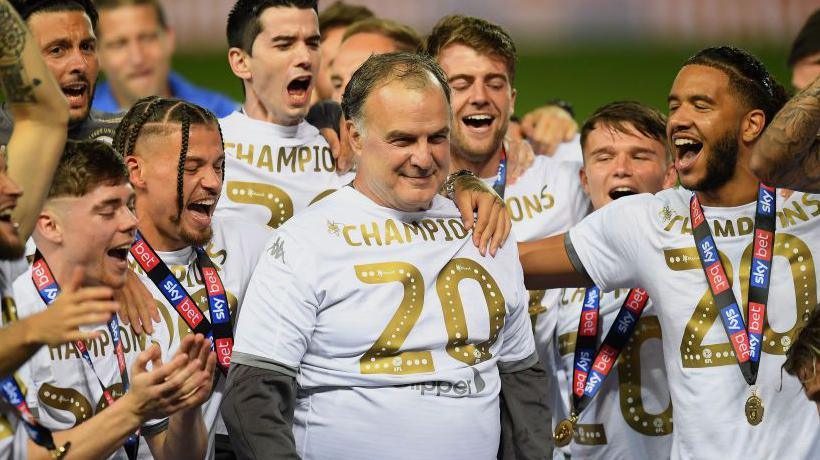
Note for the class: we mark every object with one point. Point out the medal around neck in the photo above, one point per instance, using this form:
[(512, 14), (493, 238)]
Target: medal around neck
[(754, 410), (563, 431)]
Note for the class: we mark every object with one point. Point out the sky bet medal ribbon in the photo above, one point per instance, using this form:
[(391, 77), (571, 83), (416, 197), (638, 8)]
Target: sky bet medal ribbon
[(586, 380), (48, 289), (746, 342), (221, 331)]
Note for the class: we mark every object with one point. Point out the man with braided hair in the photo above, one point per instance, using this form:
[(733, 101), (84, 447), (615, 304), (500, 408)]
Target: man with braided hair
[(173, 152)]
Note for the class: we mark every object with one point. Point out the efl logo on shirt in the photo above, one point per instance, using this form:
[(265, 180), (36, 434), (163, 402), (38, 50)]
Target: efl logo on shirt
[(144, 256), (765, 201), (697, 212)]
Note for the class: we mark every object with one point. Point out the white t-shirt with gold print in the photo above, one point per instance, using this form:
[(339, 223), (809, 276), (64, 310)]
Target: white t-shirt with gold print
[(234, 250), (631, 416), (274, 171), (396, 325), (63, 391), (646, 240)]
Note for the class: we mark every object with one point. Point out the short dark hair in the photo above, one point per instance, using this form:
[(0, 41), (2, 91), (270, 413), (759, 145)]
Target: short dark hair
[(479, 34), (84, 166), (154, 115), (341, 14), (243, 20), (26, 8), (114, 4), (412, 69), (807, 41), (405, 38), (748, 78), (620, 116), (805, 350)]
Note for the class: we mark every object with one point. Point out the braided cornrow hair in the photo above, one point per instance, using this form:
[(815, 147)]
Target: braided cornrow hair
[(152, 115)]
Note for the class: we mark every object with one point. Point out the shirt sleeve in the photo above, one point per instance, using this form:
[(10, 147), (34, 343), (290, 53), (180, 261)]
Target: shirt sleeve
[(609, 242), (279, 311)]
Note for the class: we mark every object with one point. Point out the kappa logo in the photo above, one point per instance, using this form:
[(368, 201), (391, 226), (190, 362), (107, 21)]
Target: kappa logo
[(277, 250)]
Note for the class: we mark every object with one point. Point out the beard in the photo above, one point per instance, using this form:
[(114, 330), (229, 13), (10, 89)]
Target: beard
[(11, 249), (720, 166), (192, 238)]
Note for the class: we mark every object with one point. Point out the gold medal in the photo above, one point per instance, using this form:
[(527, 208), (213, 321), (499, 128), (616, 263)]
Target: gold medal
[(754, 410), (563, 432)]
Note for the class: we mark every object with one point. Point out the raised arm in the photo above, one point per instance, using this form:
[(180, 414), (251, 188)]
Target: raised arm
[(40, 113), (788, 153)]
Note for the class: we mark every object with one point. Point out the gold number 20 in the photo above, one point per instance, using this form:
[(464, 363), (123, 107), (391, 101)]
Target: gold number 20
[(384, 356)]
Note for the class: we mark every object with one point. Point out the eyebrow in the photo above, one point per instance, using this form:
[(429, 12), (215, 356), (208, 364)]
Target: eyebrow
[(696, 97), (107, 203)]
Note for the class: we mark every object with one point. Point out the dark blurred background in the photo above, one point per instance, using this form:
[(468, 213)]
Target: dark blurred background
[(588, 52)]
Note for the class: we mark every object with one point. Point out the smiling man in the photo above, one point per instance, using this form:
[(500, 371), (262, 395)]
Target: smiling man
[(348, 301), (625, 153), (705, 253), (136, 44)]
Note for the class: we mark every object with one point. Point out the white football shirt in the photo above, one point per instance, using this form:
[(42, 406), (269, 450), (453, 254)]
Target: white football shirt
[(646, 240), (12, 436), (396, 325), (63, 391), (234, 250), (274, 171), (631, 416)]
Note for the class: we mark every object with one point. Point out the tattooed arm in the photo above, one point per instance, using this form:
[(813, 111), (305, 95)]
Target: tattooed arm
[(788, 153), (40, 113)]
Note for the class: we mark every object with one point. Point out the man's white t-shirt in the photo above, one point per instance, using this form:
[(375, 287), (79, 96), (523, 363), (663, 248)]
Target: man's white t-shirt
[(631, 415), (274, 171), (234, 250), (63, 391), (363, 301), (12, 435), (646, 240)]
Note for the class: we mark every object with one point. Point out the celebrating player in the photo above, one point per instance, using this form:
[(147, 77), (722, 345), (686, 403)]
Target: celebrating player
[(723, 375), (197, 266), (83, 235), (370, 380), (627, 415), (63, 31)]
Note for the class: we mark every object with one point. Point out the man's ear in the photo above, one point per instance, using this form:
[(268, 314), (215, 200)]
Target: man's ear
[(239, 62), (136, 171), (670, 179), (752, 125), (354, 136), (49, 226)]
